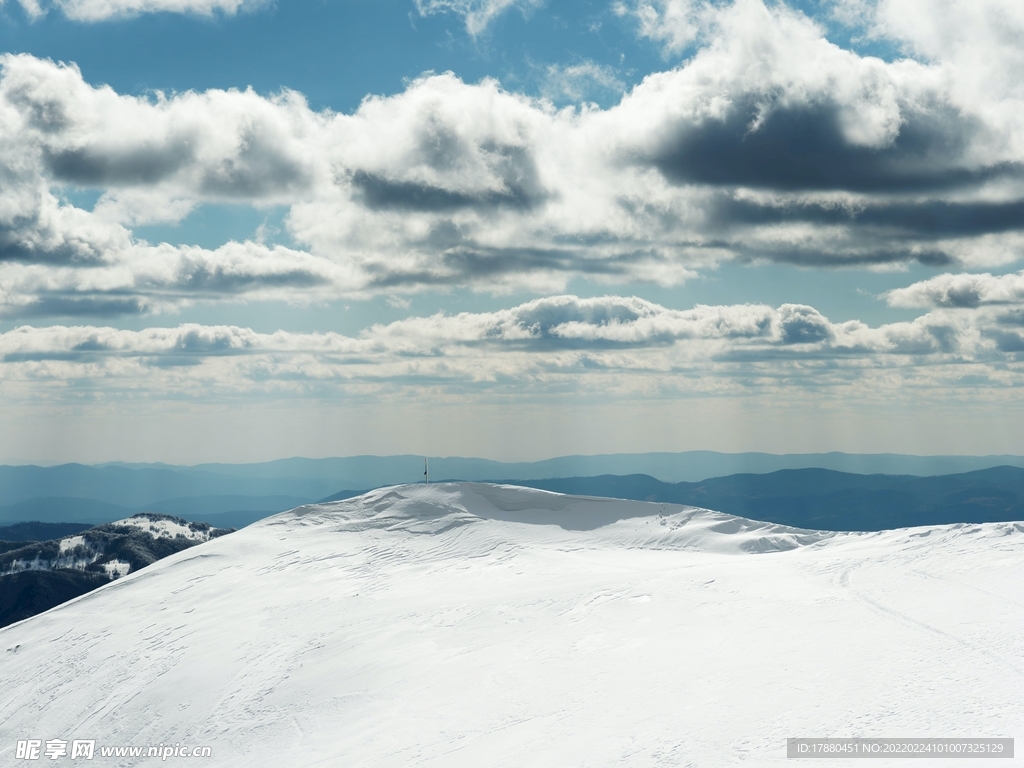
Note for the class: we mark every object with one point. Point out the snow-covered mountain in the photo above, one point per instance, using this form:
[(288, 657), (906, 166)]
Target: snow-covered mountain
[(38, 575), (468, 624), (114, 548)]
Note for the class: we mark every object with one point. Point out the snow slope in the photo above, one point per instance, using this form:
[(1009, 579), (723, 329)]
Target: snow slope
[(476, 625)]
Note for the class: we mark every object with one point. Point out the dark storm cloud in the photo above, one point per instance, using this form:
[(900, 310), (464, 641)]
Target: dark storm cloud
[(209, 278), (138, 166), (14, 248), (38, 357), (261, 167), (918, 220), (520, 187), (36, 237), (862, 251), (947, 219), (1014, 317), (472, 262), (258, 168), (47, 112), (962, 296), (1006, 341), (377, 192), (803, 149), (80, 306)]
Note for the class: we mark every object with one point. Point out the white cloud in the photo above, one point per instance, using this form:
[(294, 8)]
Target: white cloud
[(975, 43), (101, 10), (141, 278), (675, 24), (624, 343), (770, 143), (477, 14), (132, 207), (580, 81), (961, 291)]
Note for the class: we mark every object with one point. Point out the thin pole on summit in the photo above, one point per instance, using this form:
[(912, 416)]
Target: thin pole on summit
[(426, 477)]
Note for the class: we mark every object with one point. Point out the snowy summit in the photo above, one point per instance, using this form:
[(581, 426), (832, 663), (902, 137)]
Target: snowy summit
[(467, 624)]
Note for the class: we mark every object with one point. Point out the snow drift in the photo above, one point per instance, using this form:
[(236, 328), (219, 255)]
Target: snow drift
[(467, 624)]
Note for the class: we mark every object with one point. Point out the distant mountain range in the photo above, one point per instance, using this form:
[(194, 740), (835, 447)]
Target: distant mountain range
[(36, 576), (234, 495), (12, 535), (825, 499), (300, 476), (229, 511)]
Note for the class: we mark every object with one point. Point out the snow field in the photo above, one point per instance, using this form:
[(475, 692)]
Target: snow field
[(468, 625)]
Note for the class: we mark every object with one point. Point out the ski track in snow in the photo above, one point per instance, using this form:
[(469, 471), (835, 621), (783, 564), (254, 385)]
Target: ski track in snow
[(476, 625)]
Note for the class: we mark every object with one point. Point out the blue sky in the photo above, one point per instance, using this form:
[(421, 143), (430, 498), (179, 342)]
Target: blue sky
[(237, 230), (335, 52)]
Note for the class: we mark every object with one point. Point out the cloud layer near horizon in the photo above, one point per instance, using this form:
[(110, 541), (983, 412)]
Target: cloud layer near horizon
[(769, 143), (626, 346)]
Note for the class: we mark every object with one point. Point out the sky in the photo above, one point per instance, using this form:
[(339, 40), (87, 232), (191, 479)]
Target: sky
[(239, 230)]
